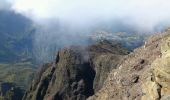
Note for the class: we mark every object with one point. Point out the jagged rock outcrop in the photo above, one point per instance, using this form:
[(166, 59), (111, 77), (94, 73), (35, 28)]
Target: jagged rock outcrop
[(77, 73), (143, 75)]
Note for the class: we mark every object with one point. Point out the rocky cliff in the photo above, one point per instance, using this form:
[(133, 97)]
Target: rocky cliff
[(143, 75), (77, 73)]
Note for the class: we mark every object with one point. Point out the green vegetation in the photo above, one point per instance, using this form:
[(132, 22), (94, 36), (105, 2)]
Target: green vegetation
[(19, 73)]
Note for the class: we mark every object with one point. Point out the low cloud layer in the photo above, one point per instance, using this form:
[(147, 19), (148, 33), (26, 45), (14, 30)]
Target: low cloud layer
[(143, 14)]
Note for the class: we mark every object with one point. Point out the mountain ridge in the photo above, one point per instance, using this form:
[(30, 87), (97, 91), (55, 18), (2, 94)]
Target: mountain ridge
[(115, 74)]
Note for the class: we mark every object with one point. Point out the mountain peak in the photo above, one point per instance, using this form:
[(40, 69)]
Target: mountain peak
[(77, 73)]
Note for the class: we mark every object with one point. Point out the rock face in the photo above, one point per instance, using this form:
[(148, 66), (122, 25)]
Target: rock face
[(143, 75), (77, 73)]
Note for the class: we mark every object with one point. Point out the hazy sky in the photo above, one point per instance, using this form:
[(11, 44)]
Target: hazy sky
[(144, 13)]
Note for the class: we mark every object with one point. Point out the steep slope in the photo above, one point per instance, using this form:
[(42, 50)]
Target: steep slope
[(77, 73), (143, 75)]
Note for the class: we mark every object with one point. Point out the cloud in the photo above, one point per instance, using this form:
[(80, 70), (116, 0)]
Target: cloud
[(145, 14)]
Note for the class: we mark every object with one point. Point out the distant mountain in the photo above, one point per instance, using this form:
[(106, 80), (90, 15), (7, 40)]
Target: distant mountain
[(16, 64), (15, 36)]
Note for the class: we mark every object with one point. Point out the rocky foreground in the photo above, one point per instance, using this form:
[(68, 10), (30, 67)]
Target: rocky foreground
[(104, 71), (143, 75)]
